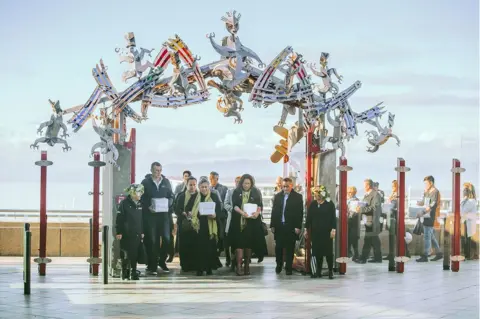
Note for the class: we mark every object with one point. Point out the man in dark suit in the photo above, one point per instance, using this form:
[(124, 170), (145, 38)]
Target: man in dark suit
[(372, 209), (286, 223)]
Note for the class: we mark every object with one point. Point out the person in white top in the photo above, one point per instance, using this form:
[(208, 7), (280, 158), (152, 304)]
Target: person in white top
[(469, 211)]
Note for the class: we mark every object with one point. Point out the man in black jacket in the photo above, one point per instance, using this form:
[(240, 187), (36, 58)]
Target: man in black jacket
[(286, 223), (156, 225)]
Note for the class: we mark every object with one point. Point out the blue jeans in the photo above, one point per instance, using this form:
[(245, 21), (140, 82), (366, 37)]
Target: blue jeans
[(428, 237)]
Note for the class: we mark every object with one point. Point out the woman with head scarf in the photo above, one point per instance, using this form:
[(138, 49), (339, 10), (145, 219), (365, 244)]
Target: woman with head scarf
[(322, 222), (187, 235), (205, 226), (129, 230), (468, 209), (246, 231)]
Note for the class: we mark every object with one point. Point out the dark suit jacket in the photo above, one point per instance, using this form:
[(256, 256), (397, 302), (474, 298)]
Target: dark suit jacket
[(293, 210)]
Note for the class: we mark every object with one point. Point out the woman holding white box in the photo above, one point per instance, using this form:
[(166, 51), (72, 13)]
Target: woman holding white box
[(205, 213), (246, 231)]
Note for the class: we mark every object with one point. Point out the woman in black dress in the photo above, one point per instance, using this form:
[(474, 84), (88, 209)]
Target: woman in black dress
[(246, 231), (206, 228), (187, 236), (322, 222), (129, 230)]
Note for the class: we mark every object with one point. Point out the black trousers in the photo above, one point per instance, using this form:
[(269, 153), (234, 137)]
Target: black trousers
[(320, 262), (129, 256), (353, 245), (157, 239), (371, 240), (285, 238)]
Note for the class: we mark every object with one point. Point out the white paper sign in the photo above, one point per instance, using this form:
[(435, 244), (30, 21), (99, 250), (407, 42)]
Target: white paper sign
[(250, 209), (352, 206), (160, 205), (206, 208), (362, 204)]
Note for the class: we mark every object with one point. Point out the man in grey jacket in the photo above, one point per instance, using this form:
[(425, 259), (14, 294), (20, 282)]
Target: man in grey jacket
[(372, 209)]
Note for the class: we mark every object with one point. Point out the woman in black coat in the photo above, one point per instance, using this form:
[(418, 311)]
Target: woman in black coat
[(322, 222), (246, 231), (206, 227), (186, 234), (129, 230)]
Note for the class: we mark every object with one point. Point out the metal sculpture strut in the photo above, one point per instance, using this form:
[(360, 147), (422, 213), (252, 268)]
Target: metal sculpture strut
[(285, 80)]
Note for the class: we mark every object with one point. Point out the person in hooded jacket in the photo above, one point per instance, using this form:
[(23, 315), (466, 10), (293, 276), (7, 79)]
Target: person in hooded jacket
[(129, 230), (156, 225)]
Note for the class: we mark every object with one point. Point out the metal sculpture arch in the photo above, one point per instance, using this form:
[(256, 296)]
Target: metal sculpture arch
[(238, 71)]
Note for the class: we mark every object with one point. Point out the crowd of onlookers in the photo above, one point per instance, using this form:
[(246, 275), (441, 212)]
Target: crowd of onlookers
[(212, 219)]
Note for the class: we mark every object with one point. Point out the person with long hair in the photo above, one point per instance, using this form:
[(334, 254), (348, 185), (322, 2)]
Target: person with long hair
[(245, 230), (468, 209), (183, 210)]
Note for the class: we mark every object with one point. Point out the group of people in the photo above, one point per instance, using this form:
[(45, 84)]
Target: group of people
[(375, 218), (200, 236), (238, 231)]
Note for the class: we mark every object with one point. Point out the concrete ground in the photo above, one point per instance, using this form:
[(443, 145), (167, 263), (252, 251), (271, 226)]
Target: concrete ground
[(366, 291)]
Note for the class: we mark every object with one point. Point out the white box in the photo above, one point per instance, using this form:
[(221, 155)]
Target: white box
[(206, 208), (160, 205), (250, 209)]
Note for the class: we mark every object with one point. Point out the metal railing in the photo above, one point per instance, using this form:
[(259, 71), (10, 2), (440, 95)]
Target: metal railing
[(83, 216)]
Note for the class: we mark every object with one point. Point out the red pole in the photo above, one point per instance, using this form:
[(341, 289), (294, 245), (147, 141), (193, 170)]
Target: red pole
[(401, 169), (43, 260), (308, 188), (95, 260), (343, 168), (455, 260), (42, 267), (96, 212)]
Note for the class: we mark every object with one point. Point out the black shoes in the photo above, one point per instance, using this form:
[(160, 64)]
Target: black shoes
[(360, 261), (330, 274), (278, 269), (134, 275), (422, 259), (437, 257), (164, 267), (376, 261), (125, 274)]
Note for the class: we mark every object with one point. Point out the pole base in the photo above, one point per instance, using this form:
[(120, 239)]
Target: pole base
[(445, 267), (43, 163), (40, 260), (391, 268), (96, 163)]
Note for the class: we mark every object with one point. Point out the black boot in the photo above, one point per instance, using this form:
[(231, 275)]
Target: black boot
[(330, 274), (125, 269), (125, 273), (134, 274)]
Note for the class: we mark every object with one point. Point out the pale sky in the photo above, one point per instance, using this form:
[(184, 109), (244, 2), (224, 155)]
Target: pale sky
[(419, 57)]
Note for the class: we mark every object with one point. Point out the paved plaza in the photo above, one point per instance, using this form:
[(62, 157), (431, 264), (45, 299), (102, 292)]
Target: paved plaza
[(367, 291)]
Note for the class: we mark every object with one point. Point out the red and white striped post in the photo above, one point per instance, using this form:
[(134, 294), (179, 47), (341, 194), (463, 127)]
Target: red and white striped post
[(95, 253), (456, 197), (42, 260), (342, 260), (401, 258), (308, 192)]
